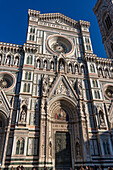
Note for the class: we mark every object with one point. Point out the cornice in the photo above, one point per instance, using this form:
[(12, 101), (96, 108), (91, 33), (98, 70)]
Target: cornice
[(49, 16), (84, 23), (10, 45), (95, 58)]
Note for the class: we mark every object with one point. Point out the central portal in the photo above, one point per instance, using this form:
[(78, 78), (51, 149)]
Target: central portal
[(62, 150)]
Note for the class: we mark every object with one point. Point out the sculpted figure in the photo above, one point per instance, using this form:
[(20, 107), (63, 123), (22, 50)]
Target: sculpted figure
[(77, 149), (45, 84), (16, 61), (23, 114), (38, 64), (8, 60), (70, 69), (80, 88), (61, 66), (102, 122)]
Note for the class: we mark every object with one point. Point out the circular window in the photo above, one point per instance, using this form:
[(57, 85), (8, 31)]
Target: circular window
[(109, 92), (6, 80), (59, 44)]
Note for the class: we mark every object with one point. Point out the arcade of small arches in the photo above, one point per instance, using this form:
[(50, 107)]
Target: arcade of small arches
[(71, 67), (102, 71), (10, 59)]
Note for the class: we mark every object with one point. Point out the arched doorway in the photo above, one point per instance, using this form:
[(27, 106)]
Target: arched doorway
[(62, 130), (2, 132)]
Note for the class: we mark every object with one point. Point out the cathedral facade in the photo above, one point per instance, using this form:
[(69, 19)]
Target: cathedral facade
[(56, 98)]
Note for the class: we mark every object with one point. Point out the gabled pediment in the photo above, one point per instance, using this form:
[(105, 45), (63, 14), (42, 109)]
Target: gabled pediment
[(4, 103), (52, 17), (62, 87)]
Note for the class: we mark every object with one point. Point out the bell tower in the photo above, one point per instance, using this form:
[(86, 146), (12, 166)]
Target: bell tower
[(104, 12)]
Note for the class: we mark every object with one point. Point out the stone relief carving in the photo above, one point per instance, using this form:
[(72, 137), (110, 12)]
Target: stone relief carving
[(72, 81), (61, 89), (80, 91), (50, 148), (78, 152), (101, 119), (43, 105), (45, 85)]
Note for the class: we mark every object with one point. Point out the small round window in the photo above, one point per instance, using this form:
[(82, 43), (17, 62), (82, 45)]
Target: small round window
[(6, 80), (109, 92)]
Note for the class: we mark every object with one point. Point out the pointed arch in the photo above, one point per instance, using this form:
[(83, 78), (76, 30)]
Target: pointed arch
[(92, 68), (29, 76), (61, 65), (76, 69), (38, 63), (3, 124), (70, 68), (20, 146), (52, 65), (45, 64)]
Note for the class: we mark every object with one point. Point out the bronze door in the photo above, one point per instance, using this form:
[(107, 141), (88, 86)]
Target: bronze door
[(62, 150)]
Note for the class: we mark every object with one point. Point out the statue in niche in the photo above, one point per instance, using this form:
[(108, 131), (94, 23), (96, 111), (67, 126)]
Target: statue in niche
[(82, 70), (16, 61), (106, 73), (45, 84), (38, 64), (100, 72), (101, 117), (61, 66), (45, 65), (8, 60), (23, 114), (43, 105), (50, 148), (70, 69), (80, 92), (76, 69), (77, 149)]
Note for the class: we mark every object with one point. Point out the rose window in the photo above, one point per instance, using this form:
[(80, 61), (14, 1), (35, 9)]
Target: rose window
[(109, 92), (6, 80), (59, 47), (59, 44)]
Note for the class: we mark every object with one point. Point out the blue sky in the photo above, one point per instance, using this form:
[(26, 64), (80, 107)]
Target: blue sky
[(14, 13)]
